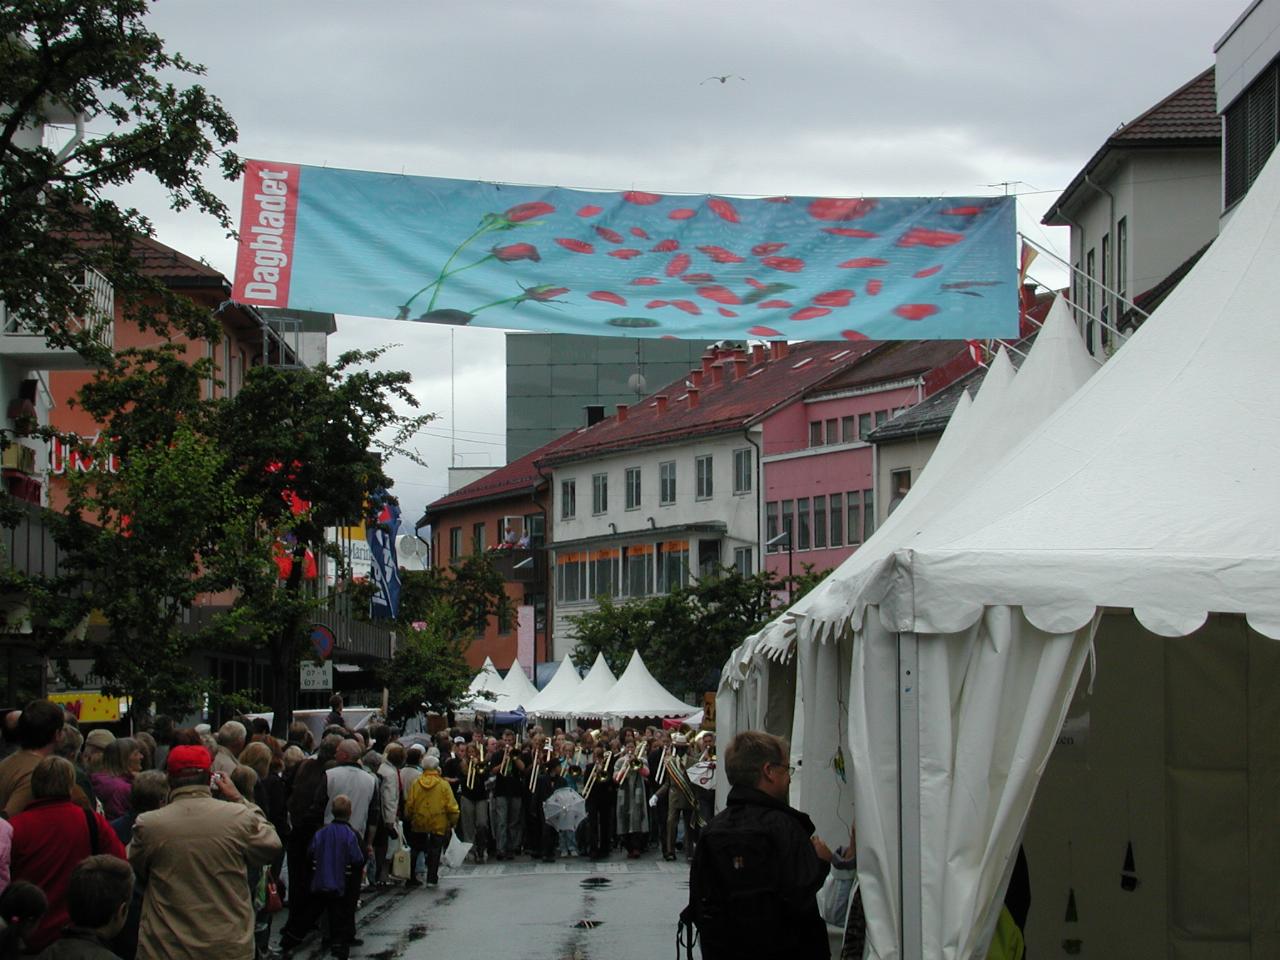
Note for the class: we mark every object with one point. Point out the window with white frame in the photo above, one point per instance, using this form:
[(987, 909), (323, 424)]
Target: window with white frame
[(742, 560), (599, 493), (633, 488), (742, 464), (568, 499), (667, 482), (771, 524), (702, 477)]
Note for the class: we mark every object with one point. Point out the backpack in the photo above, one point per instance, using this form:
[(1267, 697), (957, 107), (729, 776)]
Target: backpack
[(734, 895)]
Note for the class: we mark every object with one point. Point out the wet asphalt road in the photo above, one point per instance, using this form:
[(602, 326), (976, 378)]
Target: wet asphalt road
[(531, 911)]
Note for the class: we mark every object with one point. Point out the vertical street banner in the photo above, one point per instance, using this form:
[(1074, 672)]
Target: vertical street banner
[(430, 250), (384, 571)]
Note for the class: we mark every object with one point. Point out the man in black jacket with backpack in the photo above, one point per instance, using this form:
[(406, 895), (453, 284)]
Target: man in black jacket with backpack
[(753, 890)]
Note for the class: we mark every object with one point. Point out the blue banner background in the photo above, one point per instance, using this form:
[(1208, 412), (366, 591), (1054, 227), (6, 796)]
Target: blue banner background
[(557, 260)]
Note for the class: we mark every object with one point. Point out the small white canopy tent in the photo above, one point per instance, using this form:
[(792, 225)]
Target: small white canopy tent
[(489, 681), (638, 694), (1153, 490), (516, 692), (558, 690), (588, 700)]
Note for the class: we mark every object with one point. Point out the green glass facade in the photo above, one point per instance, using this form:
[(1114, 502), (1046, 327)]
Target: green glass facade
[(552, 378)]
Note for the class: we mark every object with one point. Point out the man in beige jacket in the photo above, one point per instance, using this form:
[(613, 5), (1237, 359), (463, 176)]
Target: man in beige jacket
[(193, 856)]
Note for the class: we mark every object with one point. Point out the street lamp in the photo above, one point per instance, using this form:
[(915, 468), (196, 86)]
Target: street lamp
[(785, 538)]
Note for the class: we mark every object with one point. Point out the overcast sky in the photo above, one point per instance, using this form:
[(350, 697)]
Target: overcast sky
[(842, 98)]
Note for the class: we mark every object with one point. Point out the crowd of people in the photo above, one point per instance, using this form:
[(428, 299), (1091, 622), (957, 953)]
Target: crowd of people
[(179, 842)]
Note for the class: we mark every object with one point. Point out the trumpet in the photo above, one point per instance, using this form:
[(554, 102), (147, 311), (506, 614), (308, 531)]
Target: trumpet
[(631, 758)]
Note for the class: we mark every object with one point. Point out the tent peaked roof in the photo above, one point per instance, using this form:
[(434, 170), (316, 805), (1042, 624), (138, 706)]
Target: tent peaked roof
[(1152, 488), (487, 679), (637, 694), (589, 699), (517, 692), (558, 690)]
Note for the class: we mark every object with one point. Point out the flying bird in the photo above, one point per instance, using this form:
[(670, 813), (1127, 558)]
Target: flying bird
[(725, 78)]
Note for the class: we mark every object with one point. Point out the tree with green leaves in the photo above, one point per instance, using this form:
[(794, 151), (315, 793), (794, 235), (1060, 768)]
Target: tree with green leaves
[(96, 62), (686, 636)]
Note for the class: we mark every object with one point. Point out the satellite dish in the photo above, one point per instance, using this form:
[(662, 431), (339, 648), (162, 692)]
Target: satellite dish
[(637, 382), (411, 552)]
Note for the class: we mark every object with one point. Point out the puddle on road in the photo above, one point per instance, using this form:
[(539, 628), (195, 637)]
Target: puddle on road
[(586, 923), (592, 882)]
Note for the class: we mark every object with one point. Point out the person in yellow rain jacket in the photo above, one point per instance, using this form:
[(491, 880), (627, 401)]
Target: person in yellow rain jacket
[(430, 811)]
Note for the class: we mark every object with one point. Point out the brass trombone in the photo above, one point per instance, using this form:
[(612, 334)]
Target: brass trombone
[(594, 776)]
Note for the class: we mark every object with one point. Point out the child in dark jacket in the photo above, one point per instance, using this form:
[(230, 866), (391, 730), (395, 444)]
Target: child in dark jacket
[(335, 885)]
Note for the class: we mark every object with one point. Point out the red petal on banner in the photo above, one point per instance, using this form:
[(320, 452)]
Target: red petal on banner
[(665, 246), (723, 209), (764, 332), (777, 199), (639, 232), (756, 283), (720, 295), (678, 265), (834, 298), (850, 232), (607, 297), (839, 208), (726, 312), (853, 335), (775, 305), (764, 249), (654, 304), (613, 236), (915, 311), (810, 313), (640, 198), (924, 237), (688, 306), (721, 255), (962, 211), (645, 282), (590, 210), (577, 246), (624, 253), (787, 264), (874, 287), (861, 263), (684, 213), (527, 211), (927, 272), (697, 278)]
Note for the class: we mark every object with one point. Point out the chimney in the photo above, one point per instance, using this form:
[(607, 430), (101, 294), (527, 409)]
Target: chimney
[(740, 367), (622, 412), (779, 349), (693, 397), (757, 354), (695, 377), (661, 401), (707, 360), (717, 374)]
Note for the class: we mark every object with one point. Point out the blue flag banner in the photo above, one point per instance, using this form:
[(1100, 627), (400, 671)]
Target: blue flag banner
[(549, 259), (385, 570)]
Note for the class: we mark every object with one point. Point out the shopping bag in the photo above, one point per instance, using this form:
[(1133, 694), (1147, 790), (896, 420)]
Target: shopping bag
[(402, 859), (836, 893), (455, 853)]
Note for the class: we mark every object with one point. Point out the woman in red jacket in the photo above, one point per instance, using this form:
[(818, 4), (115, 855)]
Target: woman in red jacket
[(50, 837)]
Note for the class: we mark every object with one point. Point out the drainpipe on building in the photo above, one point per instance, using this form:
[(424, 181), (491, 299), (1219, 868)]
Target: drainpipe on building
[(746, 432), (546, 584)]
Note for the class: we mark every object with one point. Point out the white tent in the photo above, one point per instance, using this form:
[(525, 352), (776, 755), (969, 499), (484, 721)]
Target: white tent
[(516, 692), (1153, 492), (638, 694), (588, 700), (487, 680), (558, 690)]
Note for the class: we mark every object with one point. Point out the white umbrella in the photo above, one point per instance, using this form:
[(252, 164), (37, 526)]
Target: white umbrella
[(564, 809)]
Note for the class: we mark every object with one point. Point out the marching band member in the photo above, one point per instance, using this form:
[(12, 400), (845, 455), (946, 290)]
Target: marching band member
[(629, 773), (510, 766), (473, 799), (600, 792), (681, 799)]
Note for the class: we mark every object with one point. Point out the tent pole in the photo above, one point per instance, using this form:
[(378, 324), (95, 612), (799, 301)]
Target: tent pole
[(912, 934)]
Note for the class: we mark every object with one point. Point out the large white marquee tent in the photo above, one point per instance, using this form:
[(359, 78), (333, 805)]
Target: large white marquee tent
[(1140, 520)]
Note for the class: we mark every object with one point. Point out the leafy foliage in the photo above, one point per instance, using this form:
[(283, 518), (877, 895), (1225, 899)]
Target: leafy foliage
[(685, 636), (97, 59)]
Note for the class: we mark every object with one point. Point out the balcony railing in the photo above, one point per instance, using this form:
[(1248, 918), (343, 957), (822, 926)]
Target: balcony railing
[(98, 321), (517, 565)]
